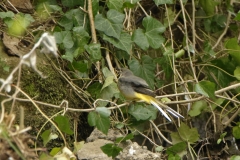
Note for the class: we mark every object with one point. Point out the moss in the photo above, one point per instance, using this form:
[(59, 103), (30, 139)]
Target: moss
[(50, 90)]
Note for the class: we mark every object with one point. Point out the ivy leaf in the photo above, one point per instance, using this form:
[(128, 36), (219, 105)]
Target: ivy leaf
[(8, 14), (124, 42), (140, 39), (108, 81), (153, 30), (101, 121), (237, 73), (197, 108), (94, 51), (175, 137), (112, 25), (94, 89), (142, 113), (111, 150), (144, 69), (80, 66), (70, 3), (47, 135), (92, 118), (151, 36), (63, 124), (159, 2), (64, 38), (115, 4), (205, 88), (187, 134), (122, 139), (208, 6), (103, 111), (108, 92), (233, 49), (18, 25), (177, 148), (236, 131)]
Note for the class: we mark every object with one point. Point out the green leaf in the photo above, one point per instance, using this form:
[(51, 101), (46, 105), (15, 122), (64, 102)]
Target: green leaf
[(8, 14), (108, 81), (235, 157), (205, 88), (111, 150), (101, 121), (124, 42), (141, 113), (94, 89), (92, 118), (55, 151), (151, 36), (115, 4), (95, 7), (122, 139), (80, 66), (19, 24), (68, 56), (144, 69), (165, 63), (174, 157), (233, 49), (159, 2), (175, 137), (197, 108), (71, 3), (237, 73), (94, 51), (106, 72), (177, 148), (66, 23), (208, 6), (187, 134), (130, 3), (63, 124), (236, 131), (237, 18), (153, 29), (77, 146), (208, 49), (65, 38), (159, 149), (112, 25), (103, 111), (47, 135), (140, 39), (109, 91)]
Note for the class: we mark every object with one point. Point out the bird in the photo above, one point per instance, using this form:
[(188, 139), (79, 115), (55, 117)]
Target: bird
[(136, 88)]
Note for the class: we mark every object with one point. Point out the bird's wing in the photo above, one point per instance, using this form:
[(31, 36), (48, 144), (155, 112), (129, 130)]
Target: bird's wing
[(140, 85)]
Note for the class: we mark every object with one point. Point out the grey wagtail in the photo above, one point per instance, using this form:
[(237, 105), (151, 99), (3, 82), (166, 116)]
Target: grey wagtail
[(136, 88)]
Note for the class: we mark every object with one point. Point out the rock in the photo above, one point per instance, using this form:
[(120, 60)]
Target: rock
[(92, 151), (131, 150)]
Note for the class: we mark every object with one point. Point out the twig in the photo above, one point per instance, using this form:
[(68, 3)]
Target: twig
[(142, 9), (159, 132), (92, 26), (226, 28), (187, 39)]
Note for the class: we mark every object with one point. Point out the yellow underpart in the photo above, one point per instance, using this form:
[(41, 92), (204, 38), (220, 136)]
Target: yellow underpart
[(145, 98)]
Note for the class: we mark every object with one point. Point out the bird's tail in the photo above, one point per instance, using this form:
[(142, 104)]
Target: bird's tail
[(160, 105)]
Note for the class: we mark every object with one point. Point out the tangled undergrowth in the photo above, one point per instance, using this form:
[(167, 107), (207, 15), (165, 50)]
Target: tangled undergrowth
[(187, 51)]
